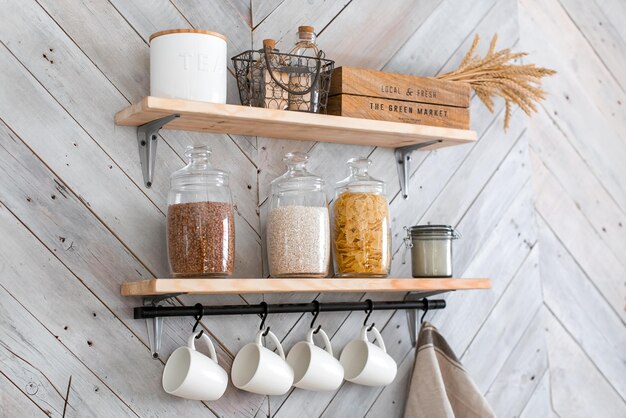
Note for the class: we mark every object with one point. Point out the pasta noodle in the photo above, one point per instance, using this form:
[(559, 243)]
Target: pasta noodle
[(362, 244)]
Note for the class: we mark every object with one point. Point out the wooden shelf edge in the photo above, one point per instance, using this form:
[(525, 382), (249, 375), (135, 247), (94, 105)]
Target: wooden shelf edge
[(217, 286), (245, 120)]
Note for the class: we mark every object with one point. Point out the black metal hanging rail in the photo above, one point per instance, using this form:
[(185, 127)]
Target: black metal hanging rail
[(145, 312)]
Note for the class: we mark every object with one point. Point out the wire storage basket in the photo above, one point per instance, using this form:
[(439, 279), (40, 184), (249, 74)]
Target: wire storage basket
[(274, 80)]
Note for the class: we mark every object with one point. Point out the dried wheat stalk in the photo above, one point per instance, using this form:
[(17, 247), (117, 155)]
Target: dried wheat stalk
[(496, 75)]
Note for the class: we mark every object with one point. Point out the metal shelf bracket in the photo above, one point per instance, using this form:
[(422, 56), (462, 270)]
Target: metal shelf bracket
[(412, 316), (403, 159), (147, 138), (155, 325)]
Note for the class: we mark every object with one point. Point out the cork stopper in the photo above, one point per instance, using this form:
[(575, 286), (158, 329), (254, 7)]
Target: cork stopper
[(269, 43), (306, 29)]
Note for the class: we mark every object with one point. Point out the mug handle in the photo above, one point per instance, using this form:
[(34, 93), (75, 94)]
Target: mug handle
[(191, 343), (327, 346), (377, 337), (274, 339)]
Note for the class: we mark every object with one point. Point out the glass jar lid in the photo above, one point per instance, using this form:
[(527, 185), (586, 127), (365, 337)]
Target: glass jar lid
[(198, 170), (297, 177), (359, 179), (433, 231)]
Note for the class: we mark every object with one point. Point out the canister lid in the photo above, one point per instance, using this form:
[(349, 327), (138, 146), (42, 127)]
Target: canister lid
[(297, 178), (306, 29), (202, 31), (442, 231), (199, 170)]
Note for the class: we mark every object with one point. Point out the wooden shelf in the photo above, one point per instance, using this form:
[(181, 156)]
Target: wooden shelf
[(254, 121), (154, 287)]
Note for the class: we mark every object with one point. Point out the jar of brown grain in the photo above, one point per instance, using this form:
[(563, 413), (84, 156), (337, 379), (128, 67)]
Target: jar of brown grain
[(200, 219)]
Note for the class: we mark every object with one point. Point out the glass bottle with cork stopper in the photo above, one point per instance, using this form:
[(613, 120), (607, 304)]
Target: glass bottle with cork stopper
[(274, 96), (361, 224), (302, 74)]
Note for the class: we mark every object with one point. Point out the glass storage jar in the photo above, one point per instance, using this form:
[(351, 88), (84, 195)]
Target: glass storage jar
[(431, 250), (200, 219), (361, 226), (298, 226)]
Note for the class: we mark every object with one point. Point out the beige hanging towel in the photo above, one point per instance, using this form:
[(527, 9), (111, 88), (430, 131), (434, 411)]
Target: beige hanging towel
[(440, 386)]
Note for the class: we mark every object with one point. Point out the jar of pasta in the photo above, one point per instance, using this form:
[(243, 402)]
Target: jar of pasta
[(361, 226), (298, 226)]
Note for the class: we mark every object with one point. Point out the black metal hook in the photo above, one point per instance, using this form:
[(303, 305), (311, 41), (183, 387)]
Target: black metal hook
[(427, 302), (368, 311), (264, 317), (315, 314), (198, 318)]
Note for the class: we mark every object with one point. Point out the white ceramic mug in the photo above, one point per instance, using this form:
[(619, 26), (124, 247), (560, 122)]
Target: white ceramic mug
[(192, 375), (259, 370), (367, 364), (315, 368)]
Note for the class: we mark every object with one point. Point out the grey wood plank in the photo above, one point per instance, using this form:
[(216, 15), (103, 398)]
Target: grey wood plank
[(501, 20), (569, 52), (244, 7), (592, 254), (262, 8), (282, 24), (500, 257), (93, 333), (561, 159), (518, 305), (376, 45), (596, 133), (149, 17), (614, 11), (13, 401), (222, 17), (566, 290), (605, 40), (572, 370), (521, 375), (40, 365), (540, 404), (452, 24)]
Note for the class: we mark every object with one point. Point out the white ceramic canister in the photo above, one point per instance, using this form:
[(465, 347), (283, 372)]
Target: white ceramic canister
[(188, 64)]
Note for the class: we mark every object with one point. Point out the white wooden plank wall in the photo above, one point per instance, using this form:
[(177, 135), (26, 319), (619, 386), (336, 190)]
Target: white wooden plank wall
[(76, 220), (578, 149)]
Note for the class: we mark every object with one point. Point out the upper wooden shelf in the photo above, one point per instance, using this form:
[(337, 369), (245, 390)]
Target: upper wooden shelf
[(153, 287), (254, 121)]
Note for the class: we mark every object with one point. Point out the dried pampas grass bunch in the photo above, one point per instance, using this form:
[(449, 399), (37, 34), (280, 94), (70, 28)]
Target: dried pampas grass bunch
[(496, 75)]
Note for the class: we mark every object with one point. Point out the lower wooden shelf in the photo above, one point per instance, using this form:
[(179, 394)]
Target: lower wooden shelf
[(154, 287)]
